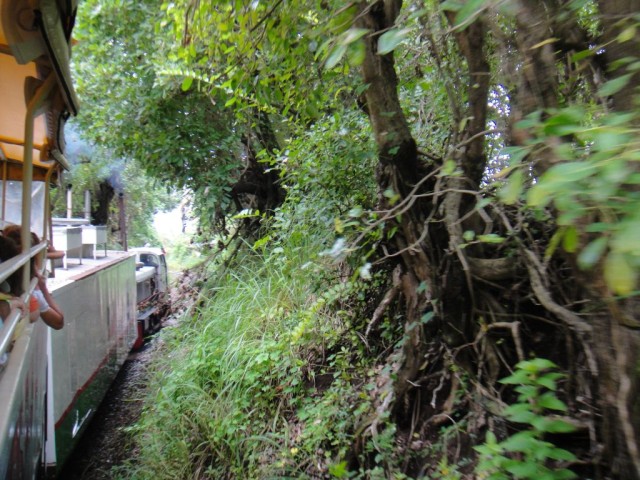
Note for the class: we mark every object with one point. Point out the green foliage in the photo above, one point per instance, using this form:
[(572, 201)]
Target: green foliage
[(526, 454), (446, 471), (338, 143), (271, 375), (581, 158), (270, 378), (249, 54), (181, 254), (132, 106), (465, 11), (593, 178)]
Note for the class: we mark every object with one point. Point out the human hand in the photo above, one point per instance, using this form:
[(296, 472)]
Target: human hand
[(17, 303)]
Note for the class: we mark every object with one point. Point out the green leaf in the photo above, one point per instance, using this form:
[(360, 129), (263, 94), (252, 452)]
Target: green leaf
[(626, 238), (390, 40), (483, 202), (548, 380), (335, 56), (338, 470), (524, 469), (568, 172), (618, 119), (516, 154), (518, 377), (553, 243), (520, 442), (550, 401), (627, 34), (353, 34), (590, 255), (536, 365), (490, 238), (186, 83), (510, 192), (570, 239), (520, 413), (615, 85), (468, 12), (598, 227), (426, 318), (551, 425), (567, 121), (356, 53), (608, 139), (416, 14), (449, 167), (564, 474), (619, 274), (526, 392), (356, 212), (561, 454), (490, 438), (452, 5), (538, 195), (391, 195), (581, 55)]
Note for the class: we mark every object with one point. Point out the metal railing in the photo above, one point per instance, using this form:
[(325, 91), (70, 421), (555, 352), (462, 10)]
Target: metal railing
[(13, 319)]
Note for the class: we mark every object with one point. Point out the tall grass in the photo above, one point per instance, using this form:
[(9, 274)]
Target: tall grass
[(233, 396)]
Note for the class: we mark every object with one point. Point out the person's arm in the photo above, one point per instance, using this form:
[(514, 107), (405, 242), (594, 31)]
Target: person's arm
[(53, 315)]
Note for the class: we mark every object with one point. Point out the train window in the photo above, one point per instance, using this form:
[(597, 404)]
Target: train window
[(148, 259)]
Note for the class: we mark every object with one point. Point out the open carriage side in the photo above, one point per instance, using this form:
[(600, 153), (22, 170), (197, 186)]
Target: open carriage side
[(36, 98)]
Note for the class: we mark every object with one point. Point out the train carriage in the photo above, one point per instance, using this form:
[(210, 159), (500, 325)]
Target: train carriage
[(51, 382)]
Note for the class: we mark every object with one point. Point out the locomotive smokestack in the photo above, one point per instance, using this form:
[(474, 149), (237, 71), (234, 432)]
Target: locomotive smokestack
[(87, 205), (69, 202)]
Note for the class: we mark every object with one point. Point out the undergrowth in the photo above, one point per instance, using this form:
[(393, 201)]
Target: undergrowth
[(266, 378), (285, 368)]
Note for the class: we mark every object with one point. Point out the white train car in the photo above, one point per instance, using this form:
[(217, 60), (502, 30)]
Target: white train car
[(98, 298), (51, 382)]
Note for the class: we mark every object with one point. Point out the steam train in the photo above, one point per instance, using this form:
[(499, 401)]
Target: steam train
[(52, 381)]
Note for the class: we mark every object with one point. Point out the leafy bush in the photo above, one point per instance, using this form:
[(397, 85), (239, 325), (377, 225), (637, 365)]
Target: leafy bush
[(526, 454)]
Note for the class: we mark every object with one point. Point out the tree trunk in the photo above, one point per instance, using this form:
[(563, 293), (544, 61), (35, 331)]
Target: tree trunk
[(103, 196), (465, 282), (398, 170), (259, 185)]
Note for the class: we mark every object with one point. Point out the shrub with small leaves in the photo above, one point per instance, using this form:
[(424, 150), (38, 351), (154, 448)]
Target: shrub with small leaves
[(527, 454)]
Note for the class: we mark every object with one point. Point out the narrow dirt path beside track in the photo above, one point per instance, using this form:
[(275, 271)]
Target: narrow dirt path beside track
[(106, 444)]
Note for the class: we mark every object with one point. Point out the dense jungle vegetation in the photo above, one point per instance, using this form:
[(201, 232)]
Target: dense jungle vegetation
[(419, 222)]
